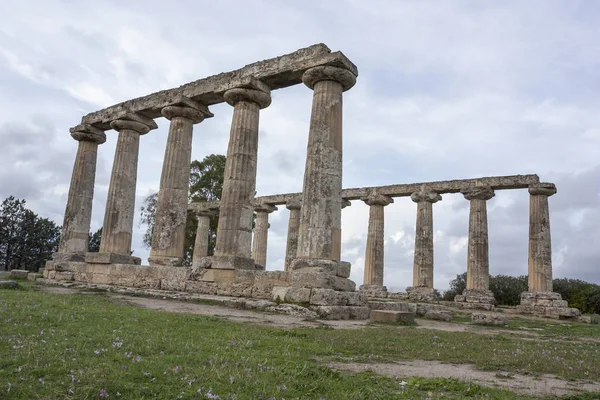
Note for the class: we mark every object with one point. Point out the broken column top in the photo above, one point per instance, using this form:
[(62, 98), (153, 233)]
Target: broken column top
[(274, 73)]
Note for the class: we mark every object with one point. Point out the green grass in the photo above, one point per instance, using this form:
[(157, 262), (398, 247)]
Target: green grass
[(56, 346)]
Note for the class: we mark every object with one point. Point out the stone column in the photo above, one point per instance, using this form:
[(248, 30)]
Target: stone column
[(478, 268), (234, 234), (78, 213), (201, 243), (291, 248), (540, 249), (320, 217), (373, 278), (261, 234), (115, 245), (168, 238), (423, 263)]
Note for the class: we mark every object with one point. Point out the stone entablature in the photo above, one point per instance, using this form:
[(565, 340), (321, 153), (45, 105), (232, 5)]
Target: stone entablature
[(402, 190)]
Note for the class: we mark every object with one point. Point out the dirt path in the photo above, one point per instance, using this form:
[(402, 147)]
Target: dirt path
[(544, 385)]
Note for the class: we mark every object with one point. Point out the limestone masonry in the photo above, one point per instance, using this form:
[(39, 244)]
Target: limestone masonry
[(313, 276)]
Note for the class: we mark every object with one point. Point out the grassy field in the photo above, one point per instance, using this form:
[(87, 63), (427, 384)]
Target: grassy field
[(56, 346)]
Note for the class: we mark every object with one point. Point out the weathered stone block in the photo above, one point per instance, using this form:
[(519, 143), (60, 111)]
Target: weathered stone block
[(64, 276), (311, 280), (201, 287), (356, 299), (4, 275), (212, 275), (328, 297), (341, 312), (343, 269), (19, 274), (343, 284), (392, 306), (423, 308), (562, 312), (314, 265), (392, 316), (234, 289), (33, 276), (291, 294), (8, 285), (460, 298), (293, 309), (560, 303), (488, 319), (232, 262), (439, 315), (51, 274), (45, 274)]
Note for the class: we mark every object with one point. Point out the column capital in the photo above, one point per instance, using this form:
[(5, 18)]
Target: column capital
[(377, 200), (328, 73), (88, 133), (346, 203), (268, 208), (135, 122), (542, 188), (187, 108), (478, 193), (294, 203), (260, 97), (425, 194)]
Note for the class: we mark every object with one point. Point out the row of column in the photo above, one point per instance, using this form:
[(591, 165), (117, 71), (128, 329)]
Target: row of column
[(539, 254), (318, 226)]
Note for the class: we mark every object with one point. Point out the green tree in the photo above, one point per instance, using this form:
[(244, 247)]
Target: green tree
[(580, 294), (457, 286), (26, 240), (507, 289), (94, 241), (206, 184)]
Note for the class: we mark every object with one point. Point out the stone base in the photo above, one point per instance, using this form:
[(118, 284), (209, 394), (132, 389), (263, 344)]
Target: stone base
[(327, 303), (422, 293), (232, 262), (488, 319), (421, 309), (476, 300), (33, 276), (549, 304), (111, 258), (79, 257), (321, 273), (374, 291), (165, 261)]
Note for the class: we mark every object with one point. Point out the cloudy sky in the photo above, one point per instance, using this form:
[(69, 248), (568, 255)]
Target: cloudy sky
[(446, 90)]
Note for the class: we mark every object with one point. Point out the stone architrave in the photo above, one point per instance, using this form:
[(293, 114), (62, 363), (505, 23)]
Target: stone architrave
[(78, 213), (234, 233), (540, 248), (201, 242), (168, 238), (423, 258), (261, 233), (374, 254), (320, 217), (120, 204), (478, 267), (291, 248)]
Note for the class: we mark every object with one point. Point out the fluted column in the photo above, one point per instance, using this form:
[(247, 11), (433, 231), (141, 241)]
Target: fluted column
[(234, 234), (291, 248), (261, 233), (120, 204), (374, 254), (202, 232), (423, 261), (168, 238), (478, 268), (78, 213), (540, 248), (320, 217)]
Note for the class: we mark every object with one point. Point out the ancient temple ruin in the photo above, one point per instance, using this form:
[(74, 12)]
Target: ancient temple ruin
[(313, 274)]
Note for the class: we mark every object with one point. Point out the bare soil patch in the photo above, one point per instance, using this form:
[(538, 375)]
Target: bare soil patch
[(545, 385)]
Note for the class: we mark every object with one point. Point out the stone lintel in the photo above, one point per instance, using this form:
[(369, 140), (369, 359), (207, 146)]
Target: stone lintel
[(403, 190), (263, 207), (274, 73)]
